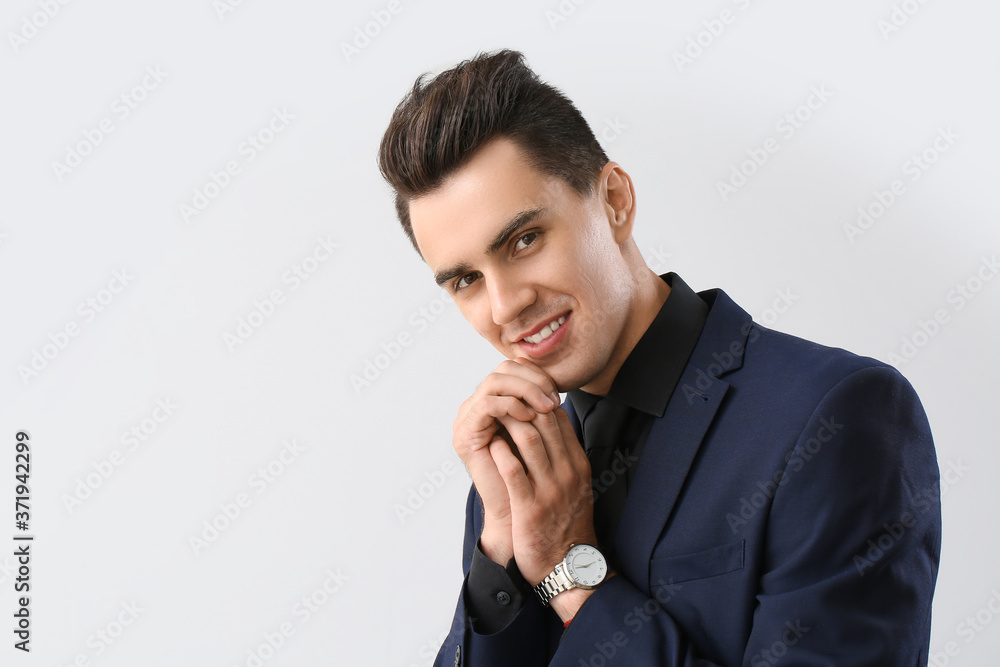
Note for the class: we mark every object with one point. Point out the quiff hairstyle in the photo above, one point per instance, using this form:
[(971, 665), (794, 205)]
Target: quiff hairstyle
[(442, 121)]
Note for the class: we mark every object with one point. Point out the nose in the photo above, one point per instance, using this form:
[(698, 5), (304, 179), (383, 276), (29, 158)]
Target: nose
[(508, 298)]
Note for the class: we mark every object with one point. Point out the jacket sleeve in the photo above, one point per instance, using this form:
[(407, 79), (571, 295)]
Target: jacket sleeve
[(529, 638), (851, 555)]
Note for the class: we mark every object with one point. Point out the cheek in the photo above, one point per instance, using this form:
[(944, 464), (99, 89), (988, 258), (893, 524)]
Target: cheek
[(595, 258), (477, 313)]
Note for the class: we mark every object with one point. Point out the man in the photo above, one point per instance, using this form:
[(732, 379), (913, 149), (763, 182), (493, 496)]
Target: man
[(713, 492)]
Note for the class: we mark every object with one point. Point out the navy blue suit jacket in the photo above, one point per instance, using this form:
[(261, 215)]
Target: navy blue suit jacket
[(785, 510)]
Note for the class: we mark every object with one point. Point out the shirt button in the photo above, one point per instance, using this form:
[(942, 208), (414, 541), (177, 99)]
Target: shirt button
[(503, 598)]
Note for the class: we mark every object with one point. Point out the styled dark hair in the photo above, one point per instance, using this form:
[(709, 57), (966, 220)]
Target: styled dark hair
[(443, 121)]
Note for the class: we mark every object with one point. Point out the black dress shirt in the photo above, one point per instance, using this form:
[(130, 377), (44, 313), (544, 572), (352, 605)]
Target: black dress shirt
[(643, 386)]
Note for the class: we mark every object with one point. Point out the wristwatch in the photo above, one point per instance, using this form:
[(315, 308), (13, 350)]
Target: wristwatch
[(583, 567)]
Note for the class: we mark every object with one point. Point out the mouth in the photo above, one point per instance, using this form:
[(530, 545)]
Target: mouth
[(547, 337)]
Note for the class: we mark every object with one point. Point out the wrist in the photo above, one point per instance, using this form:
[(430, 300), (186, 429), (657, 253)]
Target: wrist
[(568, 603), (496, 547)]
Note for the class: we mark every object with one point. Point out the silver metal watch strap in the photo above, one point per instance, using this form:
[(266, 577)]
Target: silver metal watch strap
[(556, 582)]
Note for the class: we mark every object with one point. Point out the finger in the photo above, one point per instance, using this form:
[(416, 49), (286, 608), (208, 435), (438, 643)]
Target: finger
[(502, 432), (501, 384), (541, 376), (555, 442), (488, 481), (574, 449), (533, 375), (530, 447), (583, 500), (519, 487), (488, 393), (479, 422)]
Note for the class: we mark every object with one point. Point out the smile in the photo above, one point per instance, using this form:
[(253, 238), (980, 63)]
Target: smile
[(546, 331)]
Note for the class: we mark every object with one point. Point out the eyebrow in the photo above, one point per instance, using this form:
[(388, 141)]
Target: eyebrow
[(515, 225)]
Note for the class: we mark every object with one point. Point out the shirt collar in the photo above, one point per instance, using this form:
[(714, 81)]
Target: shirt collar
[(652, 369)]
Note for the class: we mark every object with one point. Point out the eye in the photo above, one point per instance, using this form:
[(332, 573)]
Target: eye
[(525, 241), (465, 281)]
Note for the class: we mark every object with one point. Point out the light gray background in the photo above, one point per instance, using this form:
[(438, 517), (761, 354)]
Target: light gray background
[(366, 451)]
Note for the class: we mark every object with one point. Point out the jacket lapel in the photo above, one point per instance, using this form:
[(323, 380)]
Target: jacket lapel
[(674, 439)]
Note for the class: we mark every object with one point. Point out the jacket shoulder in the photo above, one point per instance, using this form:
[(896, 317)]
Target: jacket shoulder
[(798, 362)]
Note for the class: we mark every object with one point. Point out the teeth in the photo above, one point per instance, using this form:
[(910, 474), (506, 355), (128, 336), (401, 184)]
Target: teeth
[(546, 331)]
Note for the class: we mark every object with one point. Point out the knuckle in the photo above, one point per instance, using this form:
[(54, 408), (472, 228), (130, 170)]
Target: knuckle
[(547, 420), (486, 387), (513, 403), (506, 366), (532, 438), (509, 468), (566, 474)]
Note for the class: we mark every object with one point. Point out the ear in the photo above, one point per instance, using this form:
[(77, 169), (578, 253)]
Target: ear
[(618, 196)]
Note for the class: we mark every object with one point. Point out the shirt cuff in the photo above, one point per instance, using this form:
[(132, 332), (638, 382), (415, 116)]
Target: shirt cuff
[(495, 593)]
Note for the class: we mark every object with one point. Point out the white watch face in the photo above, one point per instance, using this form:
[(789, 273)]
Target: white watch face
[(585, 565)]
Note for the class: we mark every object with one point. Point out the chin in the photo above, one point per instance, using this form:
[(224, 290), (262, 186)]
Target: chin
[(566, 380)]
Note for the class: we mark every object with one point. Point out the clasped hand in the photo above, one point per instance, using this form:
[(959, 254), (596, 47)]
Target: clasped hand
[(528, 467)]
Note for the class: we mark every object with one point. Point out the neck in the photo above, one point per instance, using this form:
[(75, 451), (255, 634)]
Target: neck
[(651, 292)]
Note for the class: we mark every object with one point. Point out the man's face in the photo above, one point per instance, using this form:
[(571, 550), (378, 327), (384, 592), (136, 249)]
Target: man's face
[(520, 252)]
